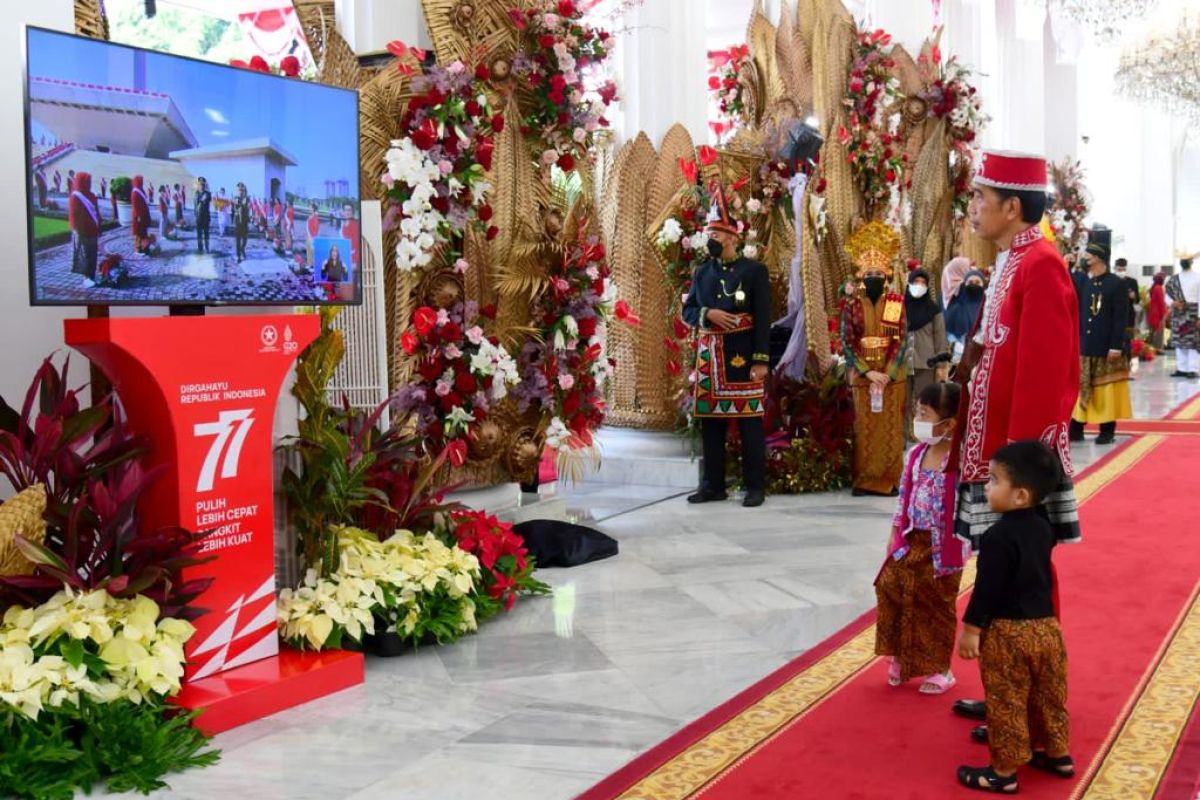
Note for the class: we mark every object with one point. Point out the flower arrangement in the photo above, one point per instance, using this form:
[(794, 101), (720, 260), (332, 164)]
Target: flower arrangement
[(506, 566), (84, 678), (111, 272), (563, 371), (1069, 206), (89, 645), (1142, 350), (557, 48), (950, 95), (872, 93), (414, 585), (435, 178), (724, 87), (461, 373)]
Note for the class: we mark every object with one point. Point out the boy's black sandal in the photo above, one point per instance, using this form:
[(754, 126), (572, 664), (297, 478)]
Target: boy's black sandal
[(1063, 767), (985, 779)]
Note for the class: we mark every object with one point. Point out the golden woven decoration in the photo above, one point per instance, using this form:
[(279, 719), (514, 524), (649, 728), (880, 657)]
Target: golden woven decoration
[(90, 19), (337, 63), (21, 515)]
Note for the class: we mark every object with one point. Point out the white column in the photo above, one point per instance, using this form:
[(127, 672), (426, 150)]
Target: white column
[(368, 25), (1061, 102), (663, 70), (29, 334), (1019, 112)]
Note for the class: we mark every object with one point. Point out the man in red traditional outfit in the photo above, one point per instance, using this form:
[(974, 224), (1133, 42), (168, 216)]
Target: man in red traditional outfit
[(141, 216), (1026, 379), (83, 216)]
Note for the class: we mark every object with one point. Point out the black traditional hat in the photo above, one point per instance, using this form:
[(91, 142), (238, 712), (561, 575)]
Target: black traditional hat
[(1100, 243)]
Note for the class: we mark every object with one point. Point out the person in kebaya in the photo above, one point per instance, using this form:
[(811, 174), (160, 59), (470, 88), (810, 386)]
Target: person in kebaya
[(177, 198), (289, 228), (83, 217), (351, 231), (39, 180), (1156, 311), (312, 231), (141, 215), (164, 214), (57, 182)]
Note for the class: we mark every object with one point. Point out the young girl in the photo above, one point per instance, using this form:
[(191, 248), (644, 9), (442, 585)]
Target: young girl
[(918, 586)]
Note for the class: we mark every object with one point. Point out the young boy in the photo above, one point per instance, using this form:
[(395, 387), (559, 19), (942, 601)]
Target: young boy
[(1010, 626)]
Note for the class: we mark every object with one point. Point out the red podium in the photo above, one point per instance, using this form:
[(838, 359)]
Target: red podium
[(203, 391)]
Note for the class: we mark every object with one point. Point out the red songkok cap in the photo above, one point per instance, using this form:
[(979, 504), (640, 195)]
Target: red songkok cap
[(1015, 171)]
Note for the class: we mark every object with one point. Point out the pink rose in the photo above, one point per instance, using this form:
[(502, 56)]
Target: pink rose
[(446, 167), (443, 388), (566, 381), (461, 266)]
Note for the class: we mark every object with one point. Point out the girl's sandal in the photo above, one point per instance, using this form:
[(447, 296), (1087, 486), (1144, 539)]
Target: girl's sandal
[(1063, 767), (985, 779), (894, 673), (939, 683)]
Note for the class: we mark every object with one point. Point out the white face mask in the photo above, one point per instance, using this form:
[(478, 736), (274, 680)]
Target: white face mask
[(918, 290), (923, 430)]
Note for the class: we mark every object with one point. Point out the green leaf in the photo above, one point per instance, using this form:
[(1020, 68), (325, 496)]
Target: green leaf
[(72, 651)]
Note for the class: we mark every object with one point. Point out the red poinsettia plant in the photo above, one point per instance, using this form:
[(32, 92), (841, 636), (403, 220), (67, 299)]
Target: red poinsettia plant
[(557, 51), (436, 174), (873, 150), (724, 88), (507, 567), (564, 372), (460, 373)]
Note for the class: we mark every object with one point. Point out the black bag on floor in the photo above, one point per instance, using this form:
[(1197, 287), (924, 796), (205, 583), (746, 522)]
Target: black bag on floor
[(555, 543)]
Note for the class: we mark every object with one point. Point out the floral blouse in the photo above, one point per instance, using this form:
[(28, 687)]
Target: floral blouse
[(927, 512)]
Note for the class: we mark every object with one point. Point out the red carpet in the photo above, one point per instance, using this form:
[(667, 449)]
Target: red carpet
[(1125, 591)]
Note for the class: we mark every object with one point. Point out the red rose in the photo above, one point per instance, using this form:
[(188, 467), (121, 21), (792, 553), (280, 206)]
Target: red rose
[(890, 176), (482, 73), (571, 404), (410, 342), (566, 8), (485, 213), (546, 41), (451, 332), (492, 232), (465, 382), (450, 401), (473, 108), (608, 92), (587, 328), (259, 64), (821, 185), (604, 36), (714, 82), (566, 162), (290, 66), (856, 85), (564, 118), (424, 318), (441, 204), (484, 153), (430, 369), (456, 452), (498, 123), (488, 311)]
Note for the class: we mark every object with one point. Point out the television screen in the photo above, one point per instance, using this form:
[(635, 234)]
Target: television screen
[(160, 180)]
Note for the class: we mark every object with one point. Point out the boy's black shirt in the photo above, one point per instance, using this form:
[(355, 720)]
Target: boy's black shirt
[(1013, 575)]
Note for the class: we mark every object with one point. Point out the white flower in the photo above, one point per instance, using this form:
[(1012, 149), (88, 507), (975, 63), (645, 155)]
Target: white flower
[(754, 205), (671, 232), (750, 251), (459, 419), (557, 435)]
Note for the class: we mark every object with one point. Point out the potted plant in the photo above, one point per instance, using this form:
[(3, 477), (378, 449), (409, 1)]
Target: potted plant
[(121, 189)]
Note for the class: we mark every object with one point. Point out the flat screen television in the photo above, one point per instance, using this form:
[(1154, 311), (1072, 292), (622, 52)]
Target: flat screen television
[(160, 180)]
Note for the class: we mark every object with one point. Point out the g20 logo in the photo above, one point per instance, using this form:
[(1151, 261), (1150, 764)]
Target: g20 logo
[(230, 431)]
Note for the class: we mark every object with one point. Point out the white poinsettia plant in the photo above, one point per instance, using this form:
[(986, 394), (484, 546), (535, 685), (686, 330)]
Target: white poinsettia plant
[(414, 585), (89, 645)]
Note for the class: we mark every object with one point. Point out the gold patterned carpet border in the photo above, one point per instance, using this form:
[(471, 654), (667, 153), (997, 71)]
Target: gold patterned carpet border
[(1138, 757), (686, 774)]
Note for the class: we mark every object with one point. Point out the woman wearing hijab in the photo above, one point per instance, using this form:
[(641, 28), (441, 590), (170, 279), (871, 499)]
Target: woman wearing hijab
[(1156, 311), (928, 348), (962, 307)]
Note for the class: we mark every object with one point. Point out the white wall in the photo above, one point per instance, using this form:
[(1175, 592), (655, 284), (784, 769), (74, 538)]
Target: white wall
[(27, 335)]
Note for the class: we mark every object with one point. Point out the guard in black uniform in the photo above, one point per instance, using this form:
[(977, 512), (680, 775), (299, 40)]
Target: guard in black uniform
[(730, 304), (1103, 340)]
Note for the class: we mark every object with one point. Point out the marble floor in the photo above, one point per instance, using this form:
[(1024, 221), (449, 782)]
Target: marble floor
[(701, 603)]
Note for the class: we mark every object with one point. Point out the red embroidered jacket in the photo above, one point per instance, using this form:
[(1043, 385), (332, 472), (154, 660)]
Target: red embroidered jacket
[(1027, 380)]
